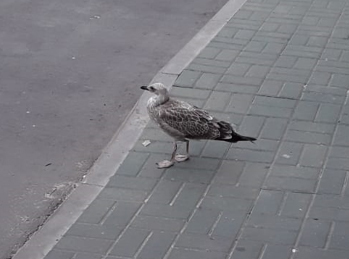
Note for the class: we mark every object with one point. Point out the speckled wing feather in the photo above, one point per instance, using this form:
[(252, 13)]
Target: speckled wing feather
[(181, 119)]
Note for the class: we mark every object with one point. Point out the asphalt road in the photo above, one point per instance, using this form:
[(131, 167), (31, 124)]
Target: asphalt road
[(70, 72)]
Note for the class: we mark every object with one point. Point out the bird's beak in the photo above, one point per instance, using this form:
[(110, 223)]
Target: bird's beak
[(144, 87)]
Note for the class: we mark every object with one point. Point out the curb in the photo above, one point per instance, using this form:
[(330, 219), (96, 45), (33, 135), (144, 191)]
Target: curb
[(42, 242)]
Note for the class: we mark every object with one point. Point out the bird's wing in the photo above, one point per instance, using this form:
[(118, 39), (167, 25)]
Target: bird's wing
[(190, 121)]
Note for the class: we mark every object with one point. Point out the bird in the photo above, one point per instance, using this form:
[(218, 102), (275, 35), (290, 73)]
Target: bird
[(183, 122)]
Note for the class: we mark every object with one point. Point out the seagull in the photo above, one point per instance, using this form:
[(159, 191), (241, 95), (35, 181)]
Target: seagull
[(183, 122)]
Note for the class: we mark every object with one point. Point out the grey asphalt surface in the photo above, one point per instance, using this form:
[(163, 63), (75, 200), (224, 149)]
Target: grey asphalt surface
[(69, 74)]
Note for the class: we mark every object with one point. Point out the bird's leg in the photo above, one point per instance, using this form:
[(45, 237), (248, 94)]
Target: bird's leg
[(169, 163), (182, 158)]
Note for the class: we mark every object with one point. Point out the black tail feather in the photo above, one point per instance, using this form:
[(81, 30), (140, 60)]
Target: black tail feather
[(236, 138)]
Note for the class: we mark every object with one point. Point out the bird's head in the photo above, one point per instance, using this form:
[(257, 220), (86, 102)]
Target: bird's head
[(156, 88)]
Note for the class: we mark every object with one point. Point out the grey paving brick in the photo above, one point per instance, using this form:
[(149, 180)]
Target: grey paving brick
[(237, 88), (285, 61), (315, 233), (203, 68), (166, 211), (189, 175), (342, 136), (331, 54), (274, 102), (202, 221), (183, 253), (157, 245), (220, 44), (312, 127), (244, 34), (270, 111), (215, 149), (209, 52), (291, 90), (274, 48), (229, 224), (328, 113), (204, 242), (299, 40), (210, 62), (94, 231), (258, 71), (295, 205), (87, 256), (317, 41), (190, 195), (255, 46), (250, 155), (307, 252), (243, 14), (338, 151), (295, 171), (241, 80), (194, 93), (229, 172), (187, 78), (155, 134), (274, 222), (253, 174), (305, 110), (270, 87), (226, 204), (247, 249), (305, 63), (238, 69), (83, 244), (313, 155), (131, 182), (339, 80), (201, 163), (227, 55), (254, 61), (269, 26), (96, 211), (268, 202), (228, 32), (308, 137), (273, 128), (217, 101), (339, 236), (289, 153), (158, 223), (345, 56), (228, 190), (149, 169), (58, 254), (239, 103), (291, 184), (119, 194), (320, 78), (331, 67), (274, 236), (332, 182), (122, 214), (277, 251), (133, 163), (130, 242), (165, 192)]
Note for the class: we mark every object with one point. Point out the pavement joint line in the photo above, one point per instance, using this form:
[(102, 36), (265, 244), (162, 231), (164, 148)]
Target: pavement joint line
[(42, 241)]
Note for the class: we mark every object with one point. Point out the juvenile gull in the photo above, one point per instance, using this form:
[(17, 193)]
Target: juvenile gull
[(183, 121)]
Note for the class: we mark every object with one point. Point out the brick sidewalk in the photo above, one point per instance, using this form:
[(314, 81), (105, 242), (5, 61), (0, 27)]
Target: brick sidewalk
[(279, 70)]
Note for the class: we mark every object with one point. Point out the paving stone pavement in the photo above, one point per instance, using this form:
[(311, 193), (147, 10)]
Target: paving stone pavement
[(279, 70)]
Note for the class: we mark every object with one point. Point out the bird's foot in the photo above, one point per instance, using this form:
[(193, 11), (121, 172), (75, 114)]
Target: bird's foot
[(181, 158), (165, 164)]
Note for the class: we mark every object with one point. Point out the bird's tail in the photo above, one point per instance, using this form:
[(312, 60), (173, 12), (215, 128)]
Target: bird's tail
[(242, 138), (228, 134)]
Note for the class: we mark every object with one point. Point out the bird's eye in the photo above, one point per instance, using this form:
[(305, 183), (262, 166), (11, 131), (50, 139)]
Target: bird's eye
[(152, 88)]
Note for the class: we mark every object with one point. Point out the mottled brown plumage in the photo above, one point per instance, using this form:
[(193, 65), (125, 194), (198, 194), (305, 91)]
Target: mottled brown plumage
[(183, 121)]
